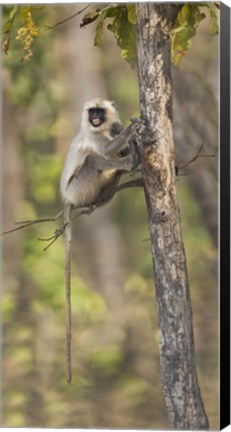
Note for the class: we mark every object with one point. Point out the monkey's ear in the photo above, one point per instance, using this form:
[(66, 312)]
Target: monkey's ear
[(114, 105)]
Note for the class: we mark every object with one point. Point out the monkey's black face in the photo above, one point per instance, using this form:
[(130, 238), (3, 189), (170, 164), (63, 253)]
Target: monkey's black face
[(96, 116)]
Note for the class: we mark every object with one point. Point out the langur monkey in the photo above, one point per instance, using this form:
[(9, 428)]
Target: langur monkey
[(94, 164), (101, 152)]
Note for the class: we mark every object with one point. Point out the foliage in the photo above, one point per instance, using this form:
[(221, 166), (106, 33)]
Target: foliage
[(27, 30), (122, 24), (124, 21), (7, 27), (185, 26)]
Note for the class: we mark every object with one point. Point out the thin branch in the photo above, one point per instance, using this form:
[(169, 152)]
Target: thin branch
[(85, 210), (69, 18), (58, 232), (25, 224), (54, 237), (197, 155)]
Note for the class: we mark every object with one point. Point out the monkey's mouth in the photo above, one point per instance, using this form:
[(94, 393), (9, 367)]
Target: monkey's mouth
[(96, 116), (96, 121)]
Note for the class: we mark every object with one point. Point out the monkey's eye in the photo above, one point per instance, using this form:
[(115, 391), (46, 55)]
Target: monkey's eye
[(96, 116)]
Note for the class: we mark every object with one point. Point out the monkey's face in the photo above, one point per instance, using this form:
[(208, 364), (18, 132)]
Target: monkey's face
[(96, 116)]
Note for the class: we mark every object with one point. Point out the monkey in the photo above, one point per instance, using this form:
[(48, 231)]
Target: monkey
[(98, 156)]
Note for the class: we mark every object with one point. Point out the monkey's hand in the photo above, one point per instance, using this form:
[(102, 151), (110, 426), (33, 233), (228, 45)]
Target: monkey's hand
[(138, 125), (142, 132), (141, 126)]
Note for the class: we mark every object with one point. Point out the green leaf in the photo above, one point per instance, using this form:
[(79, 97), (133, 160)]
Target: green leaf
[(7, 27), (214, 26), (10, 20), (124, 31), (184, 29), (108, 12), (186, 24), (125, 34), (131, 9)]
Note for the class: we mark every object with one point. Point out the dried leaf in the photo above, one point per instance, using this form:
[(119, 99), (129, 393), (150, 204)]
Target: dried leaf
[(27, 29), (89, 18), (27, 32)]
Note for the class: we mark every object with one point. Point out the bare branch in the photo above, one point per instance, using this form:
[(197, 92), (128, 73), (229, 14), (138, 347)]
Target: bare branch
[(85, 210), (25, 224), (54, 237), (197, 155), (68, 19), (58, 232)]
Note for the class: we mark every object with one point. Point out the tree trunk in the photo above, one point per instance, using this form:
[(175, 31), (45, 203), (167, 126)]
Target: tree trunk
[(178, 368)]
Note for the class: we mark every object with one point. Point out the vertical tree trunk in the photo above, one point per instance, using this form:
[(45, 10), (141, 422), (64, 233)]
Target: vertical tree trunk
[(178, 368)]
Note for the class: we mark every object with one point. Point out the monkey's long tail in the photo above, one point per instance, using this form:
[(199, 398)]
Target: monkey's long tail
[(68, 236)]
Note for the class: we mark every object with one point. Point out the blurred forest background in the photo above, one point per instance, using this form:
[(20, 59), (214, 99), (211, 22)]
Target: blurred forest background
[(116, 370)]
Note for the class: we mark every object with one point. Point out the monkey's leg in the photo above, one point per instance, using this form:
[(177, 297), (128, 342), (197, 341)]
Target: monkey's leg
[(68, 235), (139, 182), (109, 192)]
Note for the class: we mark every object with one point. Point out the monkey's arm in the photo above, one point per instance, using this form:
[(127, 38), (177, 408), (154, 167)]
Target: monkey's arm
[(119, 142), (100, 163), (95, 162)]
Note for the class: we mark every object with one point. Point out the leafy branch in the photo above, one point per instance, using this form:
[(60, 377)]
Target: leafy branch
[(22, 21), (123, 24), (185, 26), (7, 28), (26, 32), (121, 21)]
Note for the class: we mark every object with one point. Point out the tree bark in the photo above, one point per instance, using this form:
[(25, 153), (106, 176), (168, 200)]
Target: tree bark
[(178, 367)]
